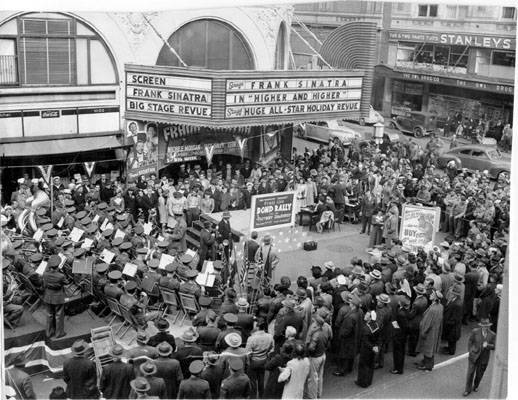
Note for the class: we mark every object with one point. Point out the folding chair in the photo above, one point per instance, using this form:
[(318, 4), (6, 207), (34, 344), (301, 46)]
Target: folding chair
[(34, 300), (170, 300), (150, 286), (189, 304), (129, 321), (115, 310)]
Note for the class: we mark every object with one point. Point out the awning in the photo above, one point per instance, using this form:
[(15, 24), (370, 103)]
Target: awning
[(59, 146)]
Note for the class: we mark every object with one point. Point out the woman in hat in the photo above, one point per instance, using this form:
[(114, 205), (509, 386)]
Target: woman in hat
[(369, 337)]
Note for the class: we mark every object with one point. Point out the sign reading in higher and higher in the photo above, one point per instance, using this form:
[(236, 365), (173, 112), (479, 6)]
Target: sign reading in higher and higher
[(256, 97), (236, 98), (164, 94)]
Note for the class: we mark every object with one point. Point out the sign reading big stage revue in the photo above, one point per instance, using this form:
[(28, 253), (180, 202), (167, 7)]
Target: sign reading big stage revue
[(418, 226), (236, 98), (272, 211)]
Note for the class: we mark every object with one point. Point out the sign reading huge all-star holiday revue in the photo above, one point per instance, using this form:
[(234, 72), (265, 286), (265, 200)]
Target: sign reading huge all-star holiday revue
[(240, 98), (272, 211), (418, 226), (260, 97)]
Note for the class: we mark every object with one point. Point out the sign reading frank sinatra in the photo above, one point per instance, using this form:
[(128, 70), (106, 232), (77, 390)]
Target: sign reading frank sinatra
[(255, 97), (418, 226), (170, 95), (272, 211), (223, 99)]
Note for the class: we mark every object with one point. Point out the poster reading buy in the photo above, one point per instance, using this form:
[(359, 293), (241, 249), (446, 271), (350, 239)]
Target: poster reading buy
[(272, 211), (418, 226)]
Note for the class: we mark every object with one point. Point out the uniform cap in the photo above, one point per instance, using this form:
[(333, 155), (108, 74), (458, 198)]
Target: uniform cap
[(163, 244), (41, 212), (102, 206), (218, 265), (142, 250), (131, 285), (79, 252), (235, 363), (117, 241), (101, 268), (186, 258), (153, 263), (81, 214), (86, 220), (52, 232), (205, 301), (115, 275), (91, 228), (126, 246), (230, 318), (172, 268), (191, 273), (196, 367), (54, 261), (46, 227), (139, 230), (107, 233)]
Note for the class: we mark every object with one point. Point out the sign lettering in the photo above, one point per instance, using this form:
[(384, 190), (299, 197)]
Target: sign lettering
[(272, 211)]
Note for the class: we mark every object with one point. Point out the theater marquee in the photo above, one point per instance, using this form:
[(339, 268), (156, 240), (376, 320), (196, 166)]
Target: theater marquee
[(240, 98)]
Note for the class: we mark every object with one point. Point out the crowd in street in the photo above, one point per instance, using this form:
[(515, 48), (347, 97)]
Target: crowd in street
[(269, 340)]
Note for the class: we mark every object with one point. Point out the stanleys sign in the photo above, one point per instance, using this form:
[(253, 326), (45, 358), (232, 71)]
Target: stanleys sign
[(456, 39), (240, 98)]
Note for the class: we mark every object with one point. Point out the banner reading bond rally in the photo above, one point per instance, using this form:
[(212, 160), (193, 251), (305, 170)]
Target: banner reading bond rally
[(418, 226), (240, 98), (272, 211)]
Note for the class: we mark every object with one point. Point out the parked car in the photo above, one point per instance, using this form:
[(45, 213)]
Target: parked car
[(416, 122), (327, 131), (373, 117), (478, 157)]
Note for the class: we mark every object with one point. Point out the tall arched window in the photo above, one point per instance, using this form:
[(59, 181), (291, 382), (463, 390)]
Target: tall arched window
[(280, 48), (53, 49), (208, 43)]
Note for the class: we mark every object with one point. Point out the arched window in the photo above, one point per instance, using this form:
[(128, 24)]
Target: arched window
[(53, 49), (280, 48), (208, 43)]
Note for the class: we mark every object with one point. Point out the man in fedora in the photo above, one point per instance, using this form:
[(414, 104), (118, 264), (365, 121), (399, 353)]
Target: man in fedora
[(288, 316), (140, 387), (116, 376), (168, 369), (384, 319), (268, 257), (245, 320), (430, 331), (142, 352), (213, 373), (417, 310), (189, 351), (156, 385), (54, 297), (452, 320), (481, 341), (80, 374), (376, 285), (234, 350), (162, 335), (194, 387)]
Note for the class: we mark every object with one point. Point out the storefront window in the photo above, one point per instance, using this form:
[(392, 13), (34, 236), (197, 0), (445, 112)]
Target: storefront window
[(209, 44), (504, 58), (432, 57), (406, 96)]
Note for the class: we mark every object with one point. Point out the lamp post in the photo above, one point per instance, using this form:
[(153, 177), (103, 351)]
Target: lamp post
[(378, 133)]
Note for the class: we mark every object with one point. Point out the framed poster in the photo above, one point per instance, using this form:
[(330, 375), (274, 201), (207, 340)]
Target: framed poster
[(272, 211)]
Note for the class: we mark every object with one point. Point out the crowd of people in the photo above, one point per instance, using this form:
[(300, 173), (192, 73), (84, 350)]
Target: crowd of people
[(272, 338)]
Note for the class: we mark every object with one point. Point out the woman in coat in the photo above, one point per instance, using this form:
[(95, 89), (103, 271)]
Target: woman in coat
[(370, 332), (430, 330), (273, 388), (297, 372)]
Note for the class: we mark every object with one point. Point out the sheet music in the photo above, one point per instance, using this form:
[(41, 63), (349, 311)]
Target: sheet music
[(208, 267), (130, 269), (205, 279), (165, 260), (76, 234), (61, 222), (120, 234), (104, 224), (107, 256), (41, 268), (190, 252), (87, 244), (96, 218), (160, 238)]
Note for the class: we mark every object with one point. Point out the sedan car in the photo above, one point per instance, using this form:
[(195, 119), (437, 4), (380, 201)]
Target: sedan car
[(478, 157), (416, 123), (327, 131)]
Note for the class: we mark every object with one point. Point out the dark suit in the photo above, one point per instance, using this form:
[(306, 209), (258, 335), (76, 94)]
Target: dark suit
[(162, 337), (236, 387), (187, 354), (214, 375), (250, 248), (290, 318), (416, 315), (113, 291), (246, 323), (194, 388), (54, 297), (170, 371), (115, 380), (21, 382), (206, 247), (80, 376), (478, 357), (157, 388)]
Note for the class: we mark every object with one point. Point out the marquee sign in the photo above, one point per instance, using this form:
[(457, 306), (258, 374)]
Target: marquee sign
[(240, 98)]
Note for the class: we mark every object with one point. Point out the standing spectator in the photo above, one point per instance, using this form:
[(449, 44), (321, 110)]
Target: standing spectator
[(80, 374), (213, 374), (237, 385), (367, 207), (400, 334), (295, 374), (169, 370), (194, 387), (430, 330), (259, 345), (452, 320), (318, 342), (116, 376), (481, 341), (369, 340)]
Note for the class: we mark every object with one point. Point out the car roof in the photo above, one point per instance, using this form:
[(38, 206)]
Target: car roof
[(471, 147)]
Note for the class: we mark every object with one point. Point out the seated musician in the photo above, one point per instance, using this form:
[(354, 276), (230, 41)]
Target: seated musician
[(12, 302), (190, 286), (112, 289), (326, 219), (137, 304), (168, 279)]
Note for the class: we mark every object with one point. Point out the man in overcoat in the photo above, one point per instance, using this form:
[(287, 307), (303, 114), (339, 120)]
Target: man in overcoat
[(430, 330)]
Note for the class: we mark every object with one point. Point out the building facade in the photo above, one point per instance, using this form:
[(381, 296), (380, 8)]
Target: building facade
[(62, 97), (452, 60)]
